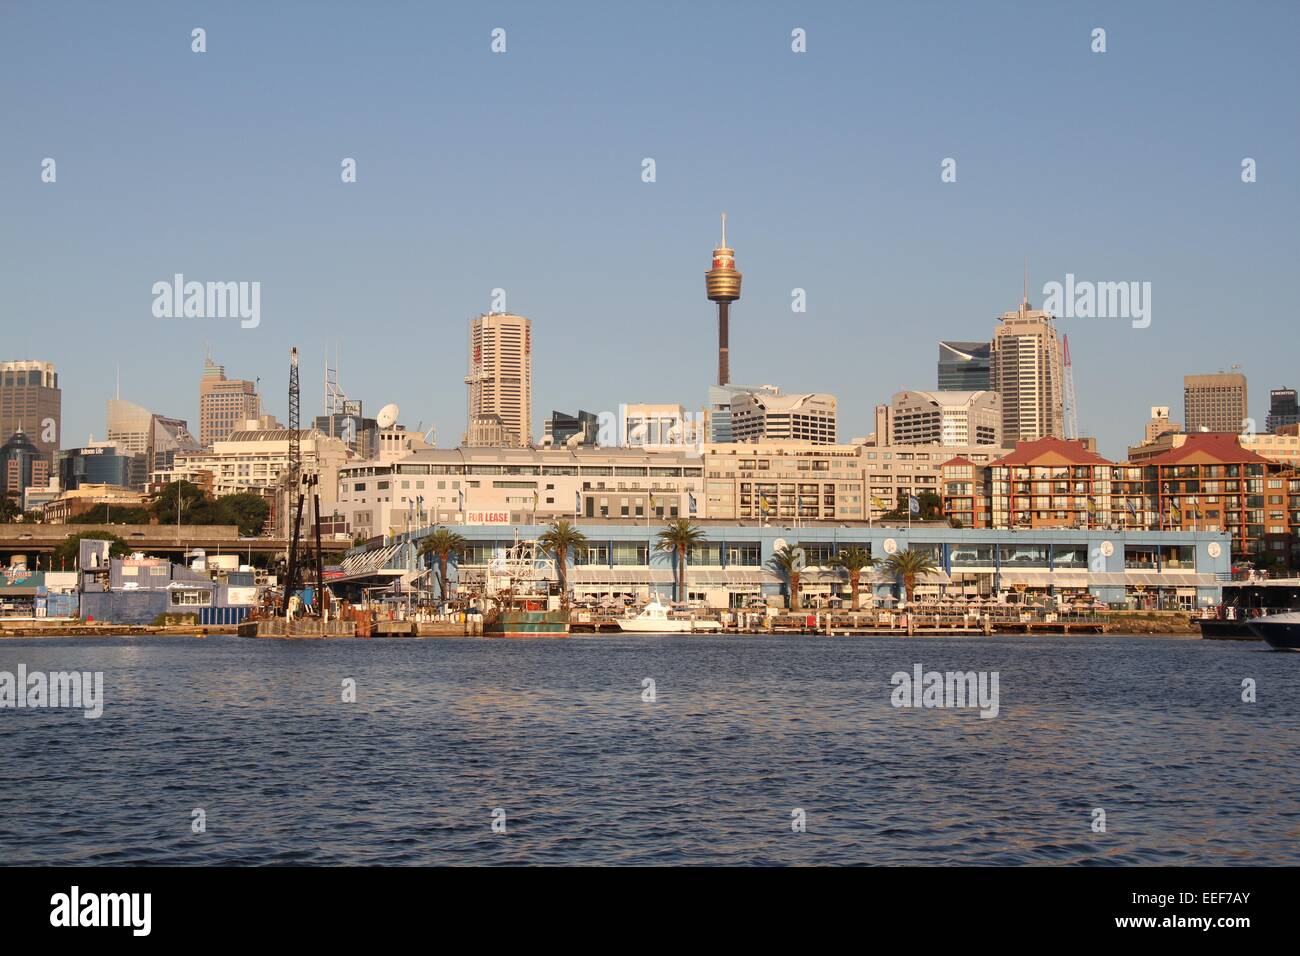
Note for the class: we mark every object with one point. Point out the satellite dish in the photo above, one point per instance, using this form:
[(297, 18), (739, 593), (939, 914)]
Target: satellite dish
[(387, 416), (638, 434)]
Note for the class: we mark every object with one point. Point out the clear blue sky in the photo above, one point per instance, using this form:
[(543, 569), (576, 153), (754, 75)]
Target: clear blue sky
[(522, 171)]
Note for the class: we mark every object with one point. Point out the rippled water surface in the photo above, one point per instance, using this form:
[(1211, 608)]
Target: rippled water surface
[(743, 731)]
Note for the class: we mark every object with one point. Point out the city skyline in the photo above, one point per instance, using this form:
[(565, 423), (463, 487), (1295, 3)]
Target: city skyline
[(891, 259)]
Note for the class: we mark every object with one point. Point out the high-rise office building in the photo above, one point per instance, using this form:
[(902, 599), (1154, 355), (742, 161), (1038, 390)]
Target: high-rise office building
[(151, 439), (1025, 369), (1215, 403), (1283, 409), (500, 380), (946, 418), (32, 402), (225, 404), (22, 466), (963, 367)]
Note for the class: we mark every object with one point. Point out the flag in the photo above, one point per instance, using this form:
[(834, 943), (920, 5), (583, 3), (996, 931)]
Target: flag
[(1131, 505), (461, 495), (577, 502), (534, 501), (878, 503), (913, 505), (1092, 505), (690, 499), (764, 504)]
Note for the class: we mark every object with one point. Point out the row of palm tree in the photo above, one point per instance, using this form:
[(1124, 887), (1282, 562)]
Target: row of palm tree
[(680, 538)]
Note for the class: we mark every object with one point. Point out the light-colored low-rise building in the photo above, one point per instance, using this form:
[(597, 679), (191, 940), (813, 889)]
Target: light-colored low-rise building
[(946, 418)]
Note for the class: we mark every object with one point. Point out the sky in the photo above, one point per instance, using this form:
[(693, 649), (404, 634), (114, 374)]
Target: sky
[(523, 171)]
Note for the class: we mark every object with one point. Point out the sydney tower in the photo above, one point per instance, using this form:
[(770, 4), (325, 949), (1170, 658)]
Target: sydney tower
[(723, 284)]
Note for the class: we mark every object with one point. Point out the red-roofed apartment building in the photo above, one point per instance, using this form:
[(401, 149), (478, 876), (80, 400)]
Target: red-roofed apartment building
[(1209, 483), (1212, 483)]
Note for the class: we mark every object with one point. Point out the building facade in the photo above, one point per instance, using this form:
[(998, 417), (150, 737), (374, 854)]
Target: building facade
[(964, 367), (510, 486), (500, 376), (224, 404), (1209, 482), (946, 418), (1283, 409), (22, 466), (732, 568), (1026, 369), (719, 407), (31, 401), (799, 418), (1215, 403)]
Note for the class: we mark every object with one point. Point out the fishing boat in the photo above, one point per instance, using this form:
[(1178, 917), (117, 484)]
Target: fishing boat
[(1281, 631), (655, 619), (515, 596)]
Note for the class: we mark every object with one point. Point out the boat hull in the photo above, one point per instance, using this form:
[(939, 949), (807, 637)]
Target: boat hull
[(1224, 630), (527, 624), (671, 626), (1281, 635)]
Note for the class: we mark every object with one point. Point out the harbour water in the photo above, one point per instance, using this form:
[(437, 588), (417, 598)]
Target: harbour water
[(742, 733)]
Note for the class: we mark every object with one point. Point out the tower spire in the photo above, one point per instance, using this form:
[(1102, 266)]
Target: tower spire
[(1025, 300), (724, 230)]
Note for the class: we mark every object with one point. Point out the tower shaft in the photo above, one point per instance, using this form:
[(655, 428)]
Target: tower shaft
[(724, 351)]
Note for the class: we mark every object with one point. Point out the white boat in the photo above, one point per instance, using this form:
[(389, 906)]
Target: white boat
[(654, 619)]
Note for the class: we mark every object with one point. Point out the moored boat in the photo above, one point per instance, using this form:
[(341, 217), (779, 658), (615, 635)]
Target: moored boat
[(655, 619), (1281, 631), (522, 623)]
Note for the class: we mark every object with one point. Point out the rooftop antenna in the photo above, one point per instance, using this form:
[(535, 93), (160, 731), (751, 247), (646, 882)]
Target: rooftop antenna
[(1026, 298), (724, 230)]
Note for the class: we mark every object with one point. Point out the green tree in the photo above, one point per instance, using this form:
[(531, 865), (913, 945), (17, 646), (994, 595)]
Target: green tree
[(245, 509), (10, 509), (69, 550), (165, 503), (789, 563), (679, 537), (442, 544), (910, 565), (931, 507), (561, 539), (112, 514), (855, 560)]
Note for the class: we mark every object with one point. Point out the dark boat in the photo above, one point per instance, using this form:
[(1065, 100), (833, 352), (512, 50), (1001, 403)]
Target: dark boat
[(1282, 631), (1244, 602)]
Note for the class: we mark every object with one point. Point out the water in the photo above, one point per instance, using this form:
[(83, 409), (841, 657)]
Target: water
[(744, 730)]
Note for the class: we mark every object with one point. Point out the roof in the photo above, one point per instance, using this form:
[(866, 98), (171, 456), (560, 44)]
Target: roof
[(1052, 451), (959, 460), (1208, 447)]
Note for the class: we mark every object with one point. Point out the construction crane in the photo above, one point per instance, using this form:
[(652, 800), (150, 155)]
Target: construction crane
[(294, 482), (1071, 409)]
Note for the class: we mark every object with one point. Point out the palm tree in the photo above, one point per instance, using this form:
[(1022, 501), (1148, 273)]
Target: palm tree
[(910, 565), (855, 560), (789, 561), (561, 538), (442, 544), (679, 537)]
